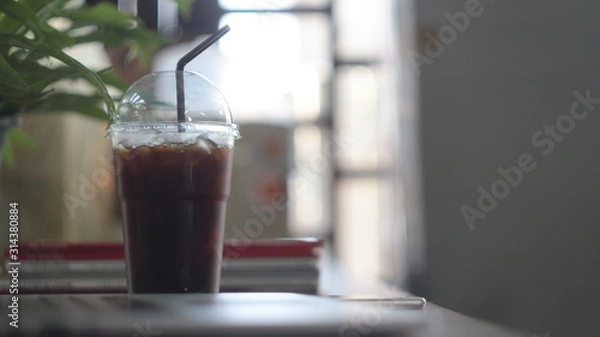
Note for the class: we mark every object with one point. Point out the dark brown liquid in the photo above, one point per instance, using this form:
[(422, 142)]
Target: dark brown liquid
[(173, 201)]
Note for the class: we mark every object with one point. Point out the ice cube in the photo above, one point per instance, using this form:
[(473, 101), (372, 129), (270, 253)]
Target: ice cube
[(158, 140), (205, 144)]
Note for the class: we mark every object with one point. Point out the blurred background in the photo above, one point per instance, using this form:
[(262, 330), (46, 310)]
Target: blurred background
[(313, 85), (380, 120)]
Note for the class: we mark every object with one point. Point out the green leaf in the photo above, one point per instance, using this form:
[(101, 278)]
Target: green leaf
[(185, 7), (67, 102), (21, 95), (8, 155), (86, 73), (37, 80), (35, 72), (19, 11), (141, 43), (9, 108), (34, 77), (111, 78), (8, 24), (111, 38), (102, 14), (22, 139), (115, 29), (89, 75), (16, 137), (9, 72), (26, 83), (43, 32), (46, 9), (29, 92)]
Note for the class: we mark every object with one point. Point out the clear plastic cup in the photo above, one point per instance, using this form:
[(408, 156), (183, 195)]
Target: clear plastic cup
[(173, 181)]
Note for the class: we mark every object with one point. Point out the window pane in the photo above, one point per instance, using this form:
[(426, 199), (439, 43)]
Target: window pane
[(313, 73), (306, 93), (361, 31), (309, 183), (358, 116), (266, 38), (315, 40), (262, 52), (271, 4), (276, 65), (358, 225)]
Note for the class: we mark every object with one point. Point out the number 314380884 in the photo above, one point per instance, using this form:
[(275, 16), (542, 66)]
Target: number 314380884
[(13, 228)]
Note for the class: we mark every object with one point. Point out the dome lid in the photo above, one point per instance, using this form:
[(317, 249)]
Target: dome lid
[(151, 103)]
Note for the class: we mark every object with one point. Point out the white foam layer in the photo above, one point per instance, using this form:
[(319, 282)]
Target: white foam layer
[(132, 135)]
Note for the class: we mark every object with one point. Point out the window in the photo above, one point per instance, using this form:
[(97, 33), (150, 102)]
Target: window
[(322, 68)]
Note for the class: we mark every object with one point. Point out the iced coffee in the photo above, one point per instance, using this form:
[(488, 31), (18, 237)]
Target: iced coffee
[(173, 182), (173, 201)]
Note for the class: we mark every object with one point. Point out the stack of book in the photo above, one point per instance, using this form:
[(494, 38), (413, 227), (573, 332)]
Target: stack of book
[(282, 265)]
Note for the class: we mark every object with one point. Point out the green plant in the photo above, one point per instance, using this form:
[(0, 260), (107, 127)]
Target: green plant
[(35, 36)]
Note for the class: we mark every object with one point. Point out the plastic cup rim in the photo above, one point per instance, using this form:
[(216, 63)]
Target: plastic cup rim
[(173, 127)]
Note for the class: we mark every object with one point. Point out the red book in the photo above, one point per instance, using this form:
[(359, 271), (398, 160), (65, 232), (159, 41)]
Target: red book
[(275, 248)]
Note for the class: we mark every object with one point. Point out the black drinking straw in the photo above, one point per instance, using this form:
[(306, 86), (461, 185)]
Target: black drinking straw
[(183, 61)]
